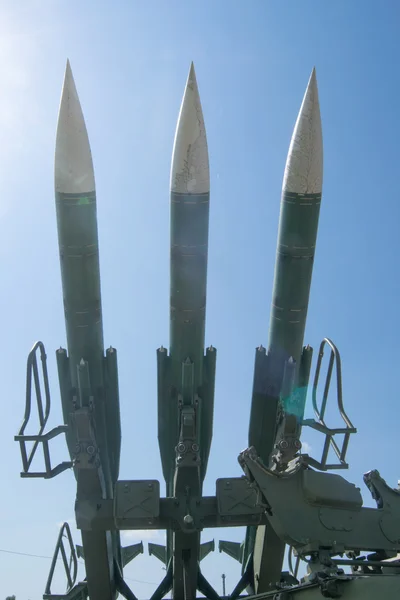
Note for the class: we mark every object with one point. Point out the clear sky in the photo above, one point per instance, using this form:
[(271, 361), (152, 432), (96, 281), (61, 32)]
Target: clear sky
[(130, 61)]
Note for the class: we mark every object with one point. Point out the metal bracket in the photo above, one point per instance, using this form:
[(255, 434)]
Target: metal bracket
[(41, 437), (329, 513), (74, 592), (319, 424), (137, 505)]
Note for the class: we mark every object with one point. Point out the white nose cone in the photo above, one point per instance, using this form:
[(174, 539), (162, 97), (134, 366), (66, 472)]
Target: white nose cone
[(190, 172), (303, 171), (73, 171)]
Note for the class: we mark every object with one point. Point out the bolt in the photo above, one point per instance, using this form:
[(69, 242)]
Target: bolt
[(188, 520), (90, 449)]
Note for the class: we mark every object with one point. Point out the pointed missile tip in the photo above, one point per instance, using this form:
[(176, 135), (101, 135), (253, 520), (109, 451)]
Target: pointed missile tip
[(69, 82), (190, 166), (68, 71), (73, 160), (312, 87), (304, 165), (191, 81)]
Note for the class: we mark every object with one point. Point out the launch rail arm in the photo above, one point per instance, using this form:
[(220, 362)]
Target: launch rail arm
[(320, 424), (43, 413)]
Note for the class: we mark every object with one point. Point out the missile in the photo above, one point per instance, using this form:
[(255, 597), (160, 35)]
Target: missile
[(88, 379), (80, 272), (298, 227), (281, 374), (285, 364), (282, 370), (186, 376)]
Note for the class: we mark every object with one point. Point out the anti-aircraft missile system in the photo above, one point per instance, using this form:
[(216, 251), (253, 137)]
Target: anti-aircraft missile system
[(286, 499)]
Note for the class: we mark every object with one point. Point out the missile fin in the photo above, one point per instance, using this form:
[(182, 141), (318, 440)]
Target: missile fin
[(206, 548), (131, 552), (232, 549), (159, 551)]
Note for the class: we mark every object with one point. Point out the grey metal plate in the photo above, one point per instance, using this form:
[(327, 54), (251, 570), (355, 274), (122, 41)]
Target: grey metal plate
[(137, 499), (236, 497)]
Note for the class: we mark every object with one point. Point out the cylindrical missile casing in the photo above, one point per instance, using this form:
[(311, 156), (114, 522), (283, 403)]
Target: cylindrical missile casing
[(77, 236), (190, 198), (88, 380), (293, 270), (189, 247), (298, 227), (80, 272)]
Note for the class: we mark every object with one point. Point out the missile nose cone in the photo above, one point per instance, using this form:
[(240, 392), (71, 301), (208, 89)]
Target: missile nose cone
[(73, 171), (304, 165), (190, 173)]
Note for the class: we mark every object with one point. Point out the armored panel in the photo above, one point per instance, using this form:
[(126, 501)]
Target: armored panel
[(235, 496), (137, 500), (330, 490)]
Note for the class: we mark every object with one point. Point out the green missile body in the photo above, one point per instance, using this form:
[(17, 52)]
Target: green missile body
[(281, 374), (298, 227), (88, 379), (186, 376)]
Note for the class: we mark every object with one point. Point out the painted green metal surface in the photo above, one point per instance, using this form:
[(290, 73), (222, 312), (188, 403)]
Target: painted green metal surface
[(298, 227), (88, 380)]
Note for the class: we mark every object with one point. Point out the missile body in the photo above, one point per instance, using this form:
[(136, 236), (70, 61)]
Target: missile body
[(88, 379), (186, 376), (298, 226), (281, 373)]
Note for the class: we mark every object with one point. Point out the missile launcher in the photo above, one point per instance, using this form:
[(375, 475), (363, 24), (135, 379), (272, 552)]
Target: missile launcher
[(286, 499)]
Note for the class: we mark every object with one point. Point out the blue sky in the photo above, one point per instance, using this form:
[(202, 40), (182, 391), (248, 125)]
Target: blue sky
[(253, 59)]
